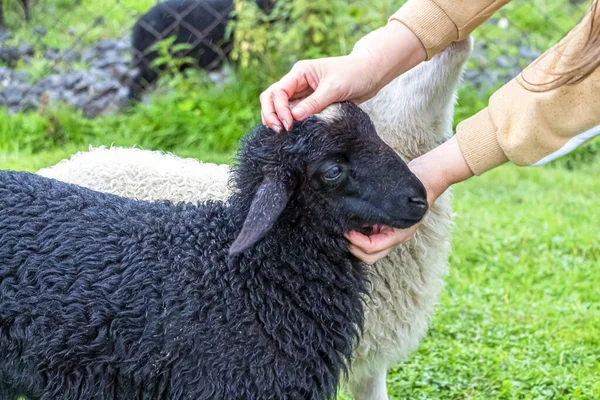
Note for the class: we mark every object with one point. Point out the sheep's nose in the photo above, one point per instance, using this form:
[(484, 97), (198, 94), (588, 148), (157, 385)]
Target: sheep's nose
[(418, 202), (417, 206)]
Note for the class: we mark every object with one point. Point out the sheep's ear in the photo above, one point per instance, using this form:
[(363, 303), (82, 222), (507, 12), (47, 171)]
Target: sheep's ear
[(268, 203)]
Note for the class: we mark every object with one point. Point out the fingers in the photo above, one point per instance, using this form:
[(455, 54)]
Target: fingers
[(268, 115), (304, 82), (376, 246), (275, 107), (282, 108), (301, 95), (315, 103), (275, 101)]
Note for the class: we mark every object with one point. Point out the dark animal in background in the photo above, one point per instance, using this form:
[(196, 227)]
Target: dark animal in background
[(103, 297), (200, 23), (24, 3)]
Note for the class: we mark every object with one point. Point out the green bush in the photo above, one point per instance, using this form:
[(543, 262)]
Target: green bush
[(187, 111), (302, 29)]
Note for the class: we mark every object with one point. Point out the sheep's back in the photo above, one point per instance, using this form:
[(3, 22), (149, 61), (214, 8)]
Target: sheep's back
[(143, 175), (94, 282), (102, 294)]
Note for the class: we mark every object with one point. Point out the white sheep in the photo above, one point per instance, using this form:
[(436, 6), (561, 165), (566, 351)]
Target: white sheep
[(413, 114)]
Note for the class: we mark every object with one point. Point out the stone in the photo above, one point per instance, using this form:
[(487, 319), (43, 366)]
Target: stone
[(528, 53), (9, 55), (72, 79), (106, 44), (471, 75), (5, 35), (108, 58), (123, 45), (40, 31), (21, 75), (52, 54), (69, 96), (102, 88), (504, 61), (120, 71), (70, 56), (26, 50), (12, 95), (84, 84), (5, 73), (30, 103), (88, 55)]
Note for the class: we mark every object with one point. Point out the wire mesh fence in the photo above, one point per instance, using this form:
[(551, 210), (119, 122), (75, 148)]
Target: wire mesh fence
[(518, 34), (99, 56)]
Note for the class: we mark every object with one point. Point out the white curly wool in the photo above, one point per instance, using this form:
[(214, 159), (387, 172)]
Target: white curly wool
[(143, 174), (413, 114)]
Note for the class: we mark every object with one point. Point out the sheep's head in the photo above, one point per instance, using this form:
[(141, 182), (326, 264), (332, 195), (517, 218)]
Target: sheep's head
[(331, 167)]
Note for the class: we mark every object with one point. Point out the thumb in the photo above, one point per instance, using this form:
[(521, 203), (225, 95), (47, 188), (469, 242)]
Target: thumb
[(313, 104)]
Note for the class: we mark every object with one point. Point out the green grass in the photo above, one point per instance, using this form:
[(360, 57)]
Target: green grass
[(520, 317), (195, 114), (71, 23)]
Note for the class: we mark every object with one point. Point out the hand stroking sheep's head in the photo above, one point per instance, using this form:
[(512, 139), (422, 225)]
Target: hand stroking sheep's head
[(331, 169)]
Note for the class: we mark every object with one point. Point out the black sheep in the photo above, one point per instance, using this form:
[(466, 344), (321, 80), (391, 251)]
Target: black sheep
[(201, 24), (103, 297)]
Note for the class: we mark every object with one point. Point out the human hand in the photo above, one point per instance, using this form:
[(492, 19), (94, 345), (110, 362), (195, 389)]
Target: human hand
[(319, 83), (383, 239), (437, 170), (381, 56)]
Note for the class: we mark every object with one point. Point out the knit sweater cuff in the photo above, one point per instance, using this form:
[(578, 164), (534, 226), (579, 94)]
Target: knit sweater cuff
[(429, 23), (478, 141)]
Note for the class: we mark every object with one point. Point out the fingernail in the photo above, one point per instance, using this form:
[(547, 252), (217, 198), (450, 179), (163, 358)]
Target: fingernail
[(285, 125), (298, 112), (277, 128)]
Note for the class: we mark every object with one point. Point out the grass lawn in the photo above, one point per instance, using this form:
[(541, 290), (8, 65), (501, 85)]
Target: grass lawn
[(520, 316)]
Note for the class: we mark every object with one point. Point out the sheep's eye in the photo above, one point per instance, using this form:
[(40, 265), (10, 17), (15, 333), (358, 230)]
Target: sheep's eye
[(328, 175), (332, 174)]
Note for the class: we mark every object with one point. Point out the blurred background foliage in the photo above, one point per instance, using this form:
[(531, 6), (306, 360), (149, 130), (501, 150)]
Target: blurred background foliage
[(188, 113)]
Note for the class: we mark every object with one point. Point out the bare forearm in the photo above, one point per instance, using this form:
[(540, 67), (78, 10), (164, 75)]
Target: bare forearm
[(392, 49), (441, 168)]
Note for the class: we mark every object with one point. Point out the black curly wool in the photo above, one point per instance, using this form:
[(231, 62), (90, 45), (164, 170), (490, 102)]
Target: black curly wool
[(103, 297)]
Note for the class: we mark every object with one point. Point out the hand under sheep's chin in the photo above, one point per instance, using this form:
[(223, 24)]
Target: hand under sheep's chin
[(372, 243)]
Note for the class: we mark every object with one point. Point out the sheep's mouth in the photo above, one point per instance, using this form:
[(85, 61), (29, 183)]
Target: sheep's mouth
[(373, 229), (369, 230)]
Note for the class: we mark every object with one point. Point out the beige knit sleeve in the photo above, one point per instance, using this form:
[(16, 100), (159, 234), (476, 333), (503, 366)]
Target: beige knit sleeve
[(530, 126), (437, 23)]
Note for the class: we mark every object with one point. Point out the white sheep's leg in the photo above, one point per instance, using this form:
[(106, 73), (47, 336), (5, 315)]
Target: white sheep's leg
[(369, 387)]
